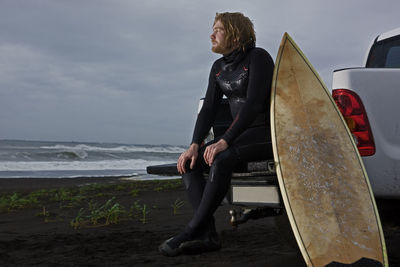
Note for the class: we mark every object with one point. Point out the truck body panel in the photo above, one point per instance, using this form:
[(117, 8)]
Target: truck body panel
[(378, 86)]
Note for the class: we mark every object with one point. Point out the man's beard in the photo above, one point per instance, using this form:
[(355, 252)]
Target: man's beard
[(220, 48)]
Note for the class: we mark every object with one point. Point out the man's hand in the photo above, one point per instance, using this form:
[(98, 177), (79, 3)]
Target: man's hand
[(212, 151), (191, 154)]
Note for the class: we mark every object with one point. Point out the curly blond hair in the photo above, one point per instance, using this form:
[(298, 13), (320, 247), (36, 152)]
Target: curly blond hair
[(239, 29)]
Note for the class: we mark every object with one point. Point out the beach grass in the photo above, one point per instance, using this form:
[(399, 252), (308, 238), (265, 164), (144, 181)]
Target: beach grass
[(94, 204), (177, 205), (110, 212)]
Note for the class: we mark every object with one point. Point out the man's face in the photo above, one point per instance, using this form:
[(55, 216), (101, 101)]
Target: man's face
[(218, 44)]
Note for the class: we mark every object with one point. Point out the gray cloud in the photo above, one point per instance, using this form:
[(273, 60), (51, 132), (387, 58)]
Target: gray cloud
[(133, 71)]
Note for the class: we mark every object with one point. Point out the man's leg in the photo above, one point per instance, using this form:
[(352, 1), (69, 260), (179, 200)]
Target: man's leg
[(194, 180), (205, 198), (215, 189), (252, 145), (202, 226), (195, 183)]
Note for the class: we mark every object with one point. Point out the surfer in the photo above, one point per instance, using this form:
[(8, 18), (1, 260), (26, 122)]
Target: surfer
[(243, 74)]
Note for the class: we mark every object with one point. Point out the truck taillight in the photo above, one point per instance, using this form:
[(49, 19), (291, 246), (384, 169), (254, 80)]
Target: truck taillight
[(353, 111)]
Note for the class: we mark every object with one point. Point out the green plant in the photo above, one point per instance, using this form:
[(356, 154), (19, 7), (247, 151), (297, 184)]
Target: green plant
[(120, 187), (158, 188), (44, 213), (137, 209), (113, 214), (109, 213), (17, 201), (95, 213), (177, 205), (134, 192), (62, 194), (136, 205), (78, 221), (144, 214)]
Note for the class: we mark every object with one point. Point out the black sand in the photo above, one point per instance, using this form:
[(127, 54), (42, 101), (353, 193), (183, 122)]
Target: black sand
[(27, 239)]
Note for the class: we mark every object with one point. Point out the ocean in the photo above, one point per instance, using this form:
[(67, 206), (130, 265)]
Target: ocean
[(41, 159)]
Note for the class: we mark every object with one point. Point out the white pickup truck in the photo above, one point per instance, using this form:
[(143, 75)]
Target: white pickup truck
[(369, 99)]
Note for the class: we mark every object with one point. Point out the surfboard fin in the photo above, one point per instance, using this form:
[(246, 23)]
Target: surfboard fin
[(363, 262)]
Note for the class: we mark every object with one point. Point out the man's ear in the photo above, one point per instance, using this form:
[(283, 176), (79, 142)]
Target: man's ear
[(236, 43)]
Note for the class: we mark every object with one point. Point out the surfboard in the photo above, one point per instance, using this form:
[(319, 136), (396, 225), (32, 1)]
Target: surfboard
[(324, 186)]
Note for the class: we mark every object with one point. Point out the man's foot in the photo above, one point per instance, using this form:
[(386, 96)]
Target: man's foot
[(189, 242), (171, 247), (209, 242)]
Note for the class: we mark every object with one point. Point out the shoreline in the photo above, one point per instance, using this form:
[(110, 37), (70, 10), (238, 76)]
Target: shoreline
[(29, 184)]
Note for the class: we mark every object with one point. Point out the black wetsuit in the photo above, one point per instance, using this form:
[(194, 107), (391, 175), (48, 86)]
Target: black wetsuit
[(245, 78)]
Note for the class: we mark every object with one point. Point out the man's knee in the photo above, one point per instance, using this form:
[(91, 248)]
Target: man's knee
[(226, 159), (191, 177), (187, 165), (223, 163)]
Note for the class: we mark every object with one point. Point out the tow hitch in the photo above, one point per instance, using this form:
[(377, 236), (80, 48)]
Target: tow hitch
[(244, 214)]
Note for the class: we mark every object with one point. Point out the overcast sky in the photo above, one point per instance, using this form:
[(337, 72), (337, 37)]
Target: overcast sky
[(133, 71)]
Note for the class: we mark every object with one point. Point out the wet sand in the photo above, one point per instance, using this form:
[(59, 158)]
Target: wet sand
[(27, 239)]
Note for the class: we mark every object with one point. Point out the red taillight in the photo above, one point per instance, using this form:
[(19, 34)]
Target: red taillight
[(353, 111)]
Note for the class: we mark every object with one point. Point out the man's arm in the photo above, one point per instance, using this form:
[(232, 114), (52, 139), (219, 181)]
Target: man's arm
[(204, 121), (207, 114)]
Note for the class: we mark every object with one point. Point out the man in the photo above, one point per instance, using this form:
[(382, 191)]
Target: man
[(243, 74)]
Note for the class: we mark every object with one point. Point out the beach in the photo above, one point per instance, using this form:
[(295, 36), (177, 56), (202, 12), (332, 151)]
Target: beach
[(59, 226)]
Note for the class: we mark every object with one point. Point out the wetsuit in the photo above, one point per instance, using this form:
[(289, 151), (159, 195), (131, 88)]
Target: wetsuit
[(245, 79)]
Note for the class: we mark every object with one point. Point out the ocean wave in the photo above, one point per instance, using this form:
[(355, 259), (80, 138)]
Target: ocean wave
[(70, 155), (131, 164), (121, 148)]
